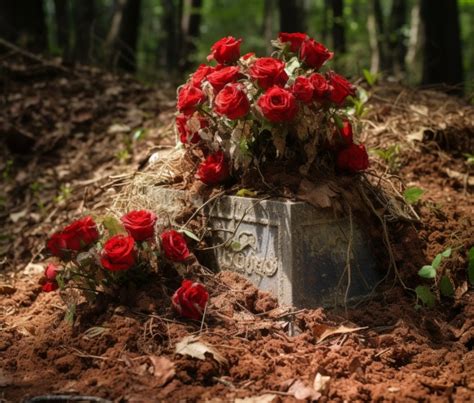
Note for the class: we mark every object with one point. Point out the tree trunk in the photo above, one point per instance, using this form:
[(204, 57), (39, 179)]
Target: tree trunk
[(325, 22), (412, 58), (170, 26), (377, 38), (192, 30), (267, 23), (61, 14), (292, 16), (398, 49), (442, 55), (338, 32), (23, 22), (84, 15)]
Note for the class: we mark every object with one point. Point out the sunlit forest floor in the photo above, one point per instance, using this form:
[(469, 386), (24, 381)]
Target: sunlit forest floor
[(75, 138)]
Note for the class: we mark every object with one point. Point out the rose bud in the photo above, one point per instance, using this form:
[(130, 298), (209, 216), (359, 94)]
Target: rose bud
[(353, 158), (226, 50), (219, 78), (174, 246), (232, 102), (302, 89), (295, 40), (320, 87), (214, 169), (200, 74), (248, 55), (268, 72), (80, 234), (118, 253), (189, 98), (278, 105), (50, 286), (339, 88), (50, 273), (314, 54), (185, 134), (140, 224), (346, 133), (190, 300)]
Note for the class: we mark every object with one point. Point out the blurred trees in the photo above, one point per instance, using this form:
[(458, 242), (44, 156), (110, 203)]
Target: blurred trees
[(419, 41)]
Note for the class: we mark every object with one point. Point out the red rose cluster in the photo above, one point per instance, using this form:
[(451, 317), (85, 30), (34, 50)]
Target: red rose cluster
[(219, 99)]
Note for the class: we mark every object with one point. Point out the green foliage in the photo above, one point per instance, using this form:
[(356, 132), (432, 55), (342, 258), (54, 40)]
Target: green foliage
[(113, 225), (389, 155), (446, 287), (64, 194), (413, 194), (426, 296), (470, 267), (245, 193), (371, 78), (190, 234), (469, 158)]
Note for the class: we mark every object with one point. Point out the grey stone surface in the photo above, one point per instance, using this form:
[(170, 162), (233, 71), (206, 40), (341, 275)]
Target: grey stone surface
[(293, 250)]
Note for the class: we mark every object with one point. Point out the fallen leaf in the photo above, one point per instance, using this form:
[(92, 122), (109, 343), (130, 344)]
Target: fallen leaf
[(266, 398), (163, 369), (197, 349), (118, 128), (15, 217), (7, 289), (322, 332), (318, 195), (321, 382), (303, 392), (417, 136)]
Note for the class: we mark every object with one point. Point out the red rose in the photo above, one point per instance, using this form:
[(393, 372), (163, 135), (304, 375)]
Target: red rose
[(302, 89), (57, 244), (295, 39), (346, 132), (189, 98), (185, 133), (268, 71), (50, 286), (214, 169), (353, 158), (339, 88), (226, 50), (278, 105), (200, 74), (118, 253), (50, 274), (314, 54), (221, 77), (232, 102), (248, 55), (320, 86), (80, 234), (190, 300), (140, 224), (174, 246)]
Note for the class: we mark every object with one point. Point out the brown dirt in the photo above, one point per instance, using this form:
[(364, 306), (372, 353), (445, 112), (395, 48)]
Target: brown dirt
[(403, 354)]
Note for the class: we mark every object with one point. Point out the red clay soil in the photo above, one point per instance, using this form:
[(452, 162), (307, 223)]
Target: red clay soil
[(127, 353)]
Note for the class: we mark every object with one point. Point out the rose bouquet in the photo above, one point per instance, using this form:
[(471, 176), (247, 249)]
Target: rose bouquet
[(246, 111), (98, 260)]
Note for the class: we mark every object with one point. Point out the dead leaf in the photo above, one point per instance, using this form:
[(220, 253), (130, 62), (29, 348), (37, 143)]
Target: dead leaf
[(15, 217), (6, 289), (322, 331), (191, 346), (118, 128), (318, 195), (303, 392), (461, 177), (417, 136), (163, 369), (266, 398), (321, 382)]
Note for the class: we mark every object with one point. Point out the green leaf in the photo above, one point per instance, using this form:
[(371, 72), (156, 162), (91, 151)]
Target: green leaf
[(446, 253), (190, 234), (437, 261), (369, 77), (470, 267), (246, 193), (338, 121), (427, 272), (446, 287), (425, 295), (413, 194), (60, 281), (113, 226), (236, 246), (70, 313), (139, 134)]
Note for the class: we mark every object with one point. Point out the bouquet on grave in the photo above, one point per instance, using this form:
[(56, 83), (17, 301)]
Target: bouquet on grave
[(92, 260), (243, 111)]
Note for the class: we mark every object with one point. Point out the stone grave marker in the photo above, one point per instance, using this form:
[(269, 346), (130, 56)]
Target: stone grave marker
[(291, 249)]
